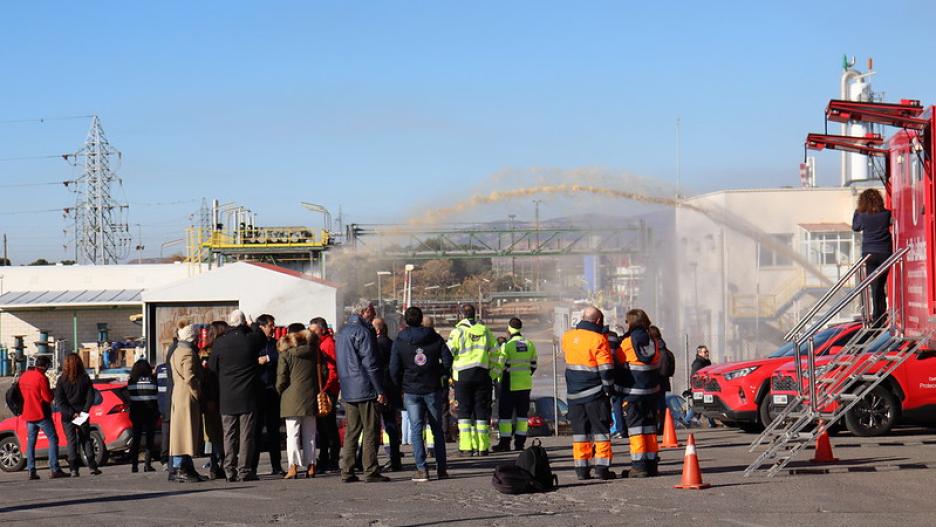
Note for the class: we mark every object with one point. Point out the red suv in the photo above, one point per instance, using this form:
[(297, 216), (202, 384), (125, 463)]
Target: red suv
[(736, 393), (110, 430), (908, 394)]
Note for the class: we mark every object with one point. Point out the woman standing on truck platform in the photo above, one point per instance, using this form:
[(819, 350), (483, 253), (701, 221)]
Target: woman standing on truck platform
[(873, 221)]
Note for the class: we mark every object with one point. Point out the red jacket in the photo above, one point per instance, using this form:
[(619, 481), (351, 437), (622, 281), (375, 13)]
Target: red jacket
[(37, 396), (327, 345)]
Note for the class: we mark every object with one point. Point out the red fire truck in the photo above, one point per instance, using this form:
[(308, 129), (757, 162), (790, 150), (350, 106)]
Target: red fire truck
[(826, 394)]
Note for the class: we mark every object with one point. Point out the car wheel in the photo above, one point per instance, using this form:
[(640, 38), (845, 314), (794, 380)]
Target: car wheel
[(100, 451), (11, 457), (767, 411), (874, 415)]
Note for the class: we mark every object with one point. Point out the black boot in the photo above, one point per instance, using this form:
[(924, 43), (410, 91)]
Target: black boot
[(602, 472), (74, 472), (134, 468), (503, 445), (583, 473), (519, 443), (638, 470), (148, 462), (653, 468)]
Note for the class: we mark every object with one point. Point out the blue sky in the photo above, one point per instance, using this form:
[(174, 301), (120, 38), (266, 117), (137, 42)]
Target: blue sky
[(386, 108)]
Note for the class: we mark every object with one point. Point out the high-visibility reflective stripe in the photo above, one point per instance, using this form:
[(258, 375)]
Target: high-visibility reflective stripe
[(640, 456), (136, 398), (643, 367), (638, 391), (519, 368), (522, 427), (608, 366), (470, 365), (505, 427), (580, 463), (482, 425), (651, 456), (586, 393), (607, 382), (602, 461), (602, 437), (580, 438), (581, 367), (640, 430), (690, 450)]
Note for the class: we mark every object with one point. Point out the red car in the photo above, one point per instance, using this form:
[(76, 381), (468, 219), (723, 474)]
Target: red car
[(909, 394), (736, 393), (110, 430)]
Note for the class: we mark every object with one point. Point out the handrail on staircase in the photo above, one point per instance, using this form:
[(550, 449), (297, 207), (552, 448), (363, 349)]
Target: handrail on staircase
[(826, 297), (859, 289)]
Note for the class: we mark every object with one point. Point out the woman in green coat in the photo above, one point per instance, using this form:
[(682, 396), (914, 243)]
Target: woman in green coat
[(297, 381)]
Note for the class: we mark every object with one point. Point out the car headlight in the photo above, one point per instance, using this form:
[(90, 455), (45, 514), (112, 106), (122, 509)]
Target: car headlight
[(734, 374)]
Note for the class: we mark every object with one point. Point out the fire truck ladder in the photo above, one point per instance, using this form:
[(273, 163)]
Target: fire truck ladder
[(835, 388)]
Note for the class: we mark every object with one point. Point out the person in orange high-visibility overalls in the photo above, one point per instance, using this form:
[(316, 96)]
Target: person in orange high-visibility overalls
[(589, 382), (637, 380)]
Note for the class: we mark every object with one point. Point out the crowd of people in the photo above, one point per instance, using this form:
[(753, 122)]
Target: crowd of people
[(225, 388)]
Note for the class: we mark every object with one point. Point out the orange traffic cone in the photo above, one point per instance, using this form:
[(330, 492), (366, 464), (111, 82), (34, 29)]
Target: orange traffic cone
[(691, 474), (669, 432), (823, 448)]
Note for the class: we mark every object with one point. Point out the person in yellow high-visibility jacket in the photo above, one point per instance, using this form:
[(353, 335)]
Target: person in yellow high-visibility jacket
[(518, 356), (474, 368)]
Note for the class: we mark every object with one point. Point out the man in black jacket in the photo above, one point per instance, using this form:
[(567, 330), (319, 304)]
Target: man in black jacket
[(702, 360), (268, 407), (421, 364), (234, 360), (164, 399), (390, 412)]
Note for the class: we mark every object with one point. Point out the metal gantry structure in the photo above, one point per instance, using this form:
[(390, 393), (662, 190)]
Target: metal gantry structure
[(102, 235), (479, 241)]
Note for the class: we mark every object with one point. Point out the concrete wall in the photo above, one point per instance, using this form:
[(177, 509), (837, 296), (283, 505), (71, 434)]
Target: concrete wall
[(59, 325)]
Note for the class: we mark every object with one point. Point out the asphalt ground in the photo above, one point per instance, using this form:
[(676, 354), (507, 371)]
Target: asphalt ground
[(878, 481)]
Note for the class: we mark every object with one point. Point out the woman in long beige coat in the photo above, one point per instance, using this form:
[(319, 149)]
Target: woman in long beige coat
[(186, 412)]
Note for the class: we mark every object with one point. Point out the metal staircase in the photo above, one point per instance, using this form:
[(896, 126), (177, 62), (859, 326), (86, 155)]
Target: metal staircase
[(828, 393)]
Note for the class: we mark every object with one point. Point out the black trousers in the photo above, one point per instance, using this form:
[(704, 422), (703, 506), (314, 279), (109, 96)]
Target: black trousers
[(78, 436), (144, 426), (164, 442), (878, 288), (328, 440), (511, 404), (390, 416), (268, 430), (474, 399)]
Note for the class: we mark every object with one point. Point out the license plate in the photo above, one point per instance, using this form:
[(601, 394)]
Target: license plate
[(697, 395), (779, 399), (708, 398)]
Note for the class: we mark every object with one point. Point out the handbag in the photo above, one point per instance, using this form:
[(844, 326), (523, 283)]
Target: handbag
[(324, 404)]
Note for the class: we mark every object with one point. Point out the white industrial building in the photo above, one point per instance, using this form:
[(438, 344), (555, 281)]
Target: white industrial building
[(71, 303), (254, 288), (742, 282)]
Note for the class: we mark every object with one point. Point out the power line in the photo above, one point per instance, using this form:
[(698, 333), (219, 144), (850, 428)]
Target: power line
[(20, 185), (45, 119), (23, 158), (17, 212)]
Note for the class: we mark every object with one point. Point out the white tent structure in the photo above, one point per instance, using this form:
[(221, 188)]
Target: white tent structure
[(254, 288)]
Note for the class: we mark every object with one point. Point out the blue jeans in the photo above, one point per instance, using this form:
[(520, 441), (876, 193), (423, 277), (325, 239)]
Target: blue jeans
[(405, 425), (32, 432), (419, 407), (617, 416)]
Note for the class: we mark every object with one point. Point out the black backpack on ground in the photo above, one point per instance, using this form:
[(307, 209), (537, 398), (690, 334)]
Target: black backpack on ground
[(14, 399), (530, 473)]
